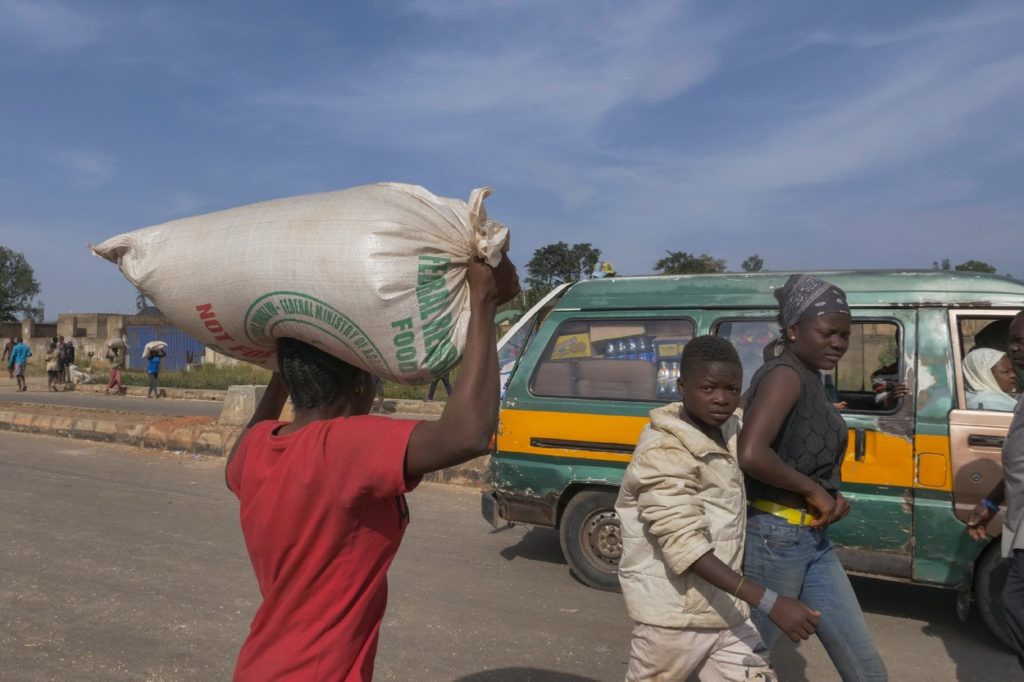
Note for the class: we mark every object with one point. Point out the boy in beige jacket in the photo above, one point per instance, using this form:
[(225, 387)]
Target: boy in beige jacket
[(683, 513)]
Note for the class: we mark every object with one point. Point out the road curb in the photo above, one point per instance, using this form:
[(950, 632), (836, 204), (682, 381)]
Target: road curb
[(400, 405), (207, 438), (161, 433)]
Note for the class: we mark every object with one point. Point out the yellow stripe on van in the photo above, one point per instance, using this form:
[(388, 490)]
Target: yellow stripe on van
[(519, 430), (888, 460)]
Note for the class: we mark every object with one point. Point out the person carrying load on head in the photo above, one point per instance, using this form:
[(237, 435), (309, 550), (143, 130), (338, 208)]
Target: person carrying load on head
[(322, 498)]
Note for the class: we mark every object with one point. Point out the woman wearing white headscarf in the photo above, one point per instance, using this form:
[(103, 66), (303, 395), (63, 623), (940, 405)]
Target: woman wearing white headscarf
[(989, 380)]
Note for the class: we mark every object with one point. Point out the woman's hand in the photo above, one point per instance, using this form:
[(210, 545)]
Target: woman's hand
[(818, 500), (794, 618), (979, 518)]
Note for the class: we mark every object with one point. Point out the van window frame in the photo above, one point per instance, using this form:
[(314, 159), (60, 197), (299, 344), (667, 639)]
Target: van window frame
[(855, 319), (956, 334), (590, 318)]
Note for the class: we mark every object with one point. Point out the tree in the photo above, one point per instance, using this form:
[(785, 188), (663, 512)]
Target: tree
[(975, 266), (944, 265), (753, 264), (682, 263), (18, 287), (554, 264)]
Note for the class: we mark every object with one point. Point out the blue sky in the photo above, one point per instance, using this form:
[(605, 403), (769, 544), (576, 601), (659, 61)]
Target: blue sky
[(817, 134)]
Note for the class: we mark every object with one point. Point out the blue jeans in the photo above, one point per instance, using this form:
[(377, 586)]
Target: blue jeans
[(800, 562)]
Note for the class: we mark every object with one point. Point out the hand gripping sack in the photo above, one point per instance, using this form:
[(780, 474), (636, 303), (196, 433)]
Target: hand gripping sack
[(374, 275)]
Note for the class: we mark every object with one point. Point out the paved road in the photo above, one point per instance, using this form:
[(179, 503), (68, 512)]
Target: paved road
[(125, 403), (122, 564)]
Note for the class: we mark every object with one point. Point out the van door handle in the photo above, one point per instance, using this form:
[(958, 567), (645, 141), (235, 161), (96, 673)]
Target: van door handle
[(859, 444), (976, 441)]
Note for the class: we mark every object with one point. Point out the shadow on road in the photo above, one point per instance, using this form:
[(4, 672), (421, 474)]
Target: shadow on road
[(523, 675), (539, 544), (936, 608)]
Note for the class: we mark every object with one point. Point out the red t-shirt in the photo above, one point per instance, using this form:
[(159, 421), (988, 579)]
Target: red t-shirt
[(322, 511)]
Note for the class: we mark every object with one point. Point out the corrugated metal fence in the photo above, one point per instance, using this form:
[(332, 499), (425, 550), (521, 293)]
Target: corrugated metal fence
[(182, 349)]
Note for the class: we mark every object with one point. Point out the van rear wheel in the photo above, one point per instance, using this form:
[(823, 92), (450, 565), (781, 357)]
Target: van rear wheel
[(592, 539), (989, 580)]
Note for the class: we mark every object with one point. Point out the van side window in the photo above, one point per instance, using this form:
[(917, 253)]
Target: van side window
[(872, 367), (632, 359), (983, 368), (749, 336)]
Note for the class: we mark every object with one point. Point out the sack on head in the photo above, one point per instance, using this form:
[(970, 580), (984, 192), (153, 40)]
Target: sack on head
[(374, 275)]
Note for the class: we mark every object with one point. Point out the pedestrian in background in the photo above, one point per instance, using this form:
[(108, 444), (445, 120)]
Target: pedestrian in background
[(52, 360), (8, 347), (61, 369), (1011, 490), (791, 449), (19, 358), (68, 359), (433, 386), (114, 355), (153, 369)]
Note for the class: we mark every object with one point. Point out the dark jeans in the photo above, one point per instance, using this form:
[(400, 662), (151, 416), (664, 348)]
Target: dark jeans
[(800, 562), (433, 387), (152, 383), (1013, 603)]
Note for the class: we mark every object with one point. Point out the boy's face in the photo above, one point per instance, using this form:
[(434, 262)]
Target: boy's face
[(711, 391)]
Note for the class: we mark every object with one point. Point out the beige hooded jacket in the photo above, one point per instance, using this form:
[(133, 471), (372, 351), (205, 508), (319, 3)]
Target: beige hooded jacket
[(681, 496)]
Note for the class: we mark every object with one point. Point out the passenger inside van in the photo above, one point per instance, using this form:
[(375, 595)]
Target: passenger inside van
[(989, 380)]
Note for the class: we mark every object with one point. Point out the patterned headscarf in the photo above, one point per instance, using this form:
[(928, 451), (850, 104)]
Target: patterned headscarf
[(804, 296)]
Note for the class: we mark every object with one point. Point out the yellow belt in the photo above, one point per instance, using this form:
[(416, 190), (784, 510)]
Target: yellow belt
[(798, 517)]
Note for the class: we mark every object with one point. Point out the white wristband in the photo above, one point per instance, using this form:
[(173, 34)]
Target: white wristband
[(767, 601)]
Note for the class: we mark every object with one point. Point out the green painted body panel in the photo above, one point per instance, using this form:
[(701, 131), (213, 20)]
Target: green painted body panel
[(942, 548), (754, 290), (881, 519), (548, 477), (935, 372)]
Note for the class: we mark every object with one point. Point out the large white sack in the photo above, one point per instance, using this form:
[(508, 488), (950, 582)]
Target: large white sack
[(375, 275), (153, 347)]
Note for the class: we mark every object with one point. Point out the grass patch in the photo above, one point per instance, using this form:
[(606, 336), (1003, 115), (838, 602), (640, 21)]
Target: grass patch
[(204, 377), (220, 378)]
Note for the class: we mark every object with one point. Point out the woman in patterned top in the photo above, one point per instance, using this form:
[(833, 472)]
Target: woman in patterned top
[(791, 449)]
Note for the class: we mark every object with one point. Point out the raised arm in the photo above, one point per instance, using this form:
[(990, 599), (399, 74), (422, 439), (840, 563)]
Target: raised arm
[(269, 407), (762, 421), (471, 413)]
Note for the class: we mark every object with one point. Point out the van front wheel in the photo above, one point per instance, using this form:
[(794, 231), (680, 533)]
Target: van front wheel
[(592, 539), (989, 580)]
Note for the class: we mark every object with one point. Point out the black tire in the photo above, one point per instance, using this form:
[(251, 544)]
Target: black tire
[(989, 580), (591, 538)]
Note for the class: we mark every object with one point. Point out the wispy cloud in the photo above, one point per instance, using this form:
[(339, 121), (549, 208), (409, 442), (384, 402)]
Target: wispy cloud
[(48, 24), (974, 18), (86, 170), (558, 78)]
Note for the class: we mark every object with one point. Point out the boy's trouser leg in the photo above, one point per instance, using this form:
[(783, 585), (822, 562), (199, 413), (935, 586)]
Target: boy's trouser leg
[(739, 656), (1013, 603), (152, 383), (657, 653)]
